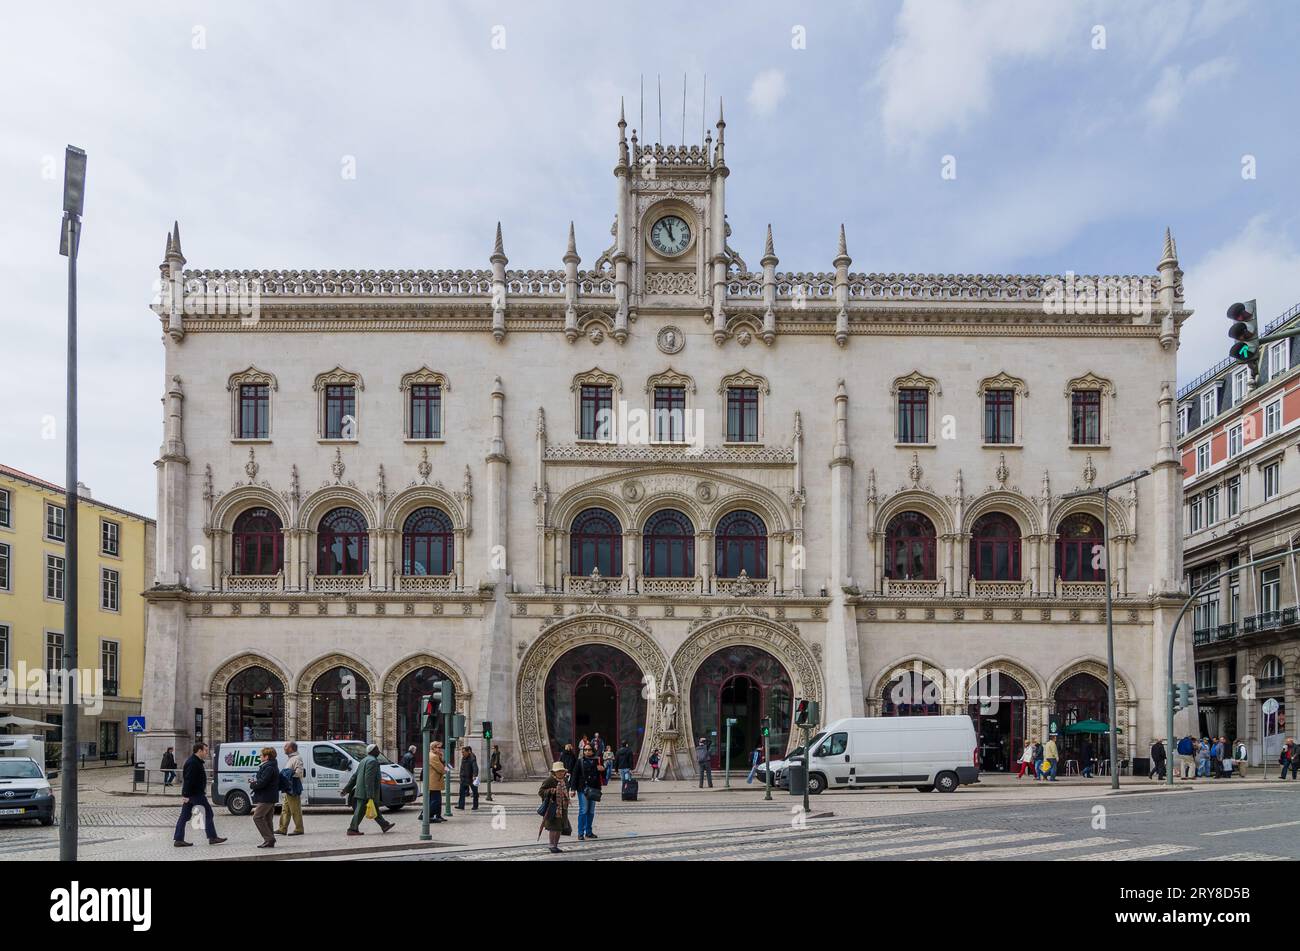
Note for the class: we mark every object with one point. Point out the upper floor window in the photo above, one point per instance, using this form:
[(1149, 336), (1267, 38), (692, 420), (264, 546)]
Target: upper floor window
[(1211, 505), (4, 647), (740, 544), (999, 416), (1272, 476), (250, 391), (742, 414), (343, 544), (337, 393), (1270, 590), (1279, 357), (1233, 491), (54, 567), (596, 542), (909, 548), (1240, 381), (1202, 457), (424, 391), (995, 548), (597, 413), (109, 589), (428, 543), (254, 411), (1272, 670), (1272, 417), (53, 522), (110, 536), (1196, 513), (1234, 441), (258, 543), (1209, 405), (668, 546), (4, 574), (1184, 418), (670, 413), (1085, 417), (108, 662), (53, 651), (913, 415), (6, 517), (1079, 552)]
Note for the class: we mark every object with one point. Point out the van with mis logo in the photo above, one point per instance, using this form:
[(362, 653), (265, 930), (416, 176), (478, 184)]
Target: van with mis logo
[(327, 766)]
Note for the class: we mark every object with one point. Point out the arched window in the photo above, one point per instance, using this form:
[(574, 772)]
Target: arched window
[(340, 705), (740, 542), (909, 548), (343, 547), (258, 543), (1273, 672), (254, 706), (668, 546), (995, 548), (428, 543), (911, 694), (596, 541), (1077, 549)]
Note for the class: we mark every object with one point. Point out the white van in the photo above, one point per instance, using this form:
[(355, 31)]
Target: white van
[(327, 764), (926, 752)]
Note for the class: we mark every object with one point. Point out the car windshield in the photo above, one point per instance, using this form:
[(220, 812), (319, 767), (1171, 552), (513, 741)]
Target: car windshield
[(358, 752), (19, 769)]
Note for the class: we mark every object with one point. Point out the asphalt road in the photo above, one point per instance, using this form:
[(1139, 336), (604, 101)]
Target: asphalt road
[(1229, 824)]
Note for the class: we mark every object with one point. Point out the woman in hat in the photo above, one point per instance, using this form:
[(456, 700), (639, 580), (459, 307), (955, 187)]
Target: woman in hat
[(555, 806)]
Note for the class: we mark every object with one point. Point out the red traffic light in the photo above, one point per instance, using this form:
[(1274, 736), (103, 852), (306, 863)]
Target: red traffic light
[(429, 708)]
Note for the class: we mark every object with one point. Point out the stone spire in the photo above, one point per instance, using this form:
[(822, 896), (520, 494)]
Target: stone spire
[(1170, 292), (769, 262), (571, 262), (571, 250), (499, 262), (718, 159), (622, 136), (768, 250), (842, 262)]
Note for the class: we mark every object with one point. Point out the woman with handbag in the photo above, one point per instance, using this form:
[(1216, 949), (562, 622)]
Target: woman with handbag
[(554, 809), (587, 781)]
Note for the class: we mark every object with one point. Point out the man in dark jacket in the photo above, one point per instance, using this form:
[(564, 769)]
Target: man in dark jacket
[(194, 792), (266, 793), (1158, 757), (364, 786), (704, 760), (468, 775), (624, 761), (168, 766), (408, 761)]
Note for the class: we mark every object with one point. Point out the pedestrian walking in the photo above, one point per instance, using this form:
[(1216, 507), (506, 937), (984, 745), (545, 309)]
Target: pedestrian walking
[(194, 792), (704, 759), (1288, 758), (569, 757), (1038, 762), (607, 760), (598, 744), (755, 758), (468, 776), (1158, 757), (1050, 756), (624, 761), (1240, 755), (1026, 761), (266, 793), (1203, 758), (291, 777), (494, 763), (1186, 750), (168, 766), (587, 781), (654, 766), (1086, 756), (437, 768), (363, 787), (554, 810), (408, 760)]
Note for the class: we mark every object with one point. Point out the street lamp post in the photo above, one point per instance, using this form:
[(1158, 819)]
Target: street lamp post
[(74, 193), (1104, 491)]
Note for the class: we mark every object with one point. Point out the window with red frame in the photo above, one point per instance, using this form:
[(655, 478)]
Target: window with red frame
[(254, 411), (995, 548), (342, 543), (426, 411), (742, 414), (1085, 417), (999, 416), (914, 415), (258, 541), (596, 412), (1078, 548), (909, 547), (340, 407)]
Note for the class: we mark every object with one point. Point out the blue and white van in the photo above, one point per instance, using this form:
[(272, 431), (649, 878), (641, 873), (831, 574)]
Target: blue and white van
[(328, 764)]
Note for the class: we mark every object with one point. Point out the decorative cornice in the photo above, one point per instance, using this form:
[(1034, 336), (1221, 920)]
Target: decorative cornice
[(625, 453)]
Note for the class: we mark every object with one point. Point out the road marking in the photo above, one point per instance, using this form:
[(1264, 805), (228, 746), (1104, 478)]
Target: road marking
[(1132, 855), (1246, 857), (1024, 850), (1111, 815), (1275, 825), (955, 843), (792, 847)]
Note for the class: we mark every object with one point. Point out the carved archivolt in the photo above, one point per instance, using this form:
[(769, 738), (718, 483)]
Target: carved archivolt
[(915, 380), (1090, 381), (387, 699), (1014, 504), (327, 497), (217, 686), (418, 496), (424, 377), (1092, 505), (1033, 685), (916, 500), (252, 376), (745, 378), (1003, 381), (1097, 668), (338, 377), (669, 377), (596, 377), (232, 503)]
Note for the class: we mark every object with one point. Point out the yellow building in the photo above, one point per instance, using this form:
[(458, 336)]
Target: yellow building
[(116, 548)]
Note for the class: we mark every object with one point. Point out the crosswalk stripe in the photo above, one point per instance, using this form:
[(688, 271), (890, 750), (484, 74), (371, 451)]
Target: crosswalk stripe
[(1274, 825), (1024, 850), (796, 848), (954, 843), (1246, 857), (1135, 854)]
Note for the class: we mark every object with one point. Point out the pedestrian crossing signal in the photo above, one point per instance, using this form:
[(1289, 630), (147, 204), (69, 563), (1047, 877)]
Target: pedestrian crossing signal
[(429, 713), (487, 729), (767, 727), (1245, 335), (806, 713)]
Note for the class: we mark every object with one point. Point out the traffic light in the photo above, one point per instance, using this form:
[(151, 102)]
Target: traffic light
[(1245, 335), (1182, 697), (444, 691), (801, 712), (766, 727), (487, 729), (428, 714)]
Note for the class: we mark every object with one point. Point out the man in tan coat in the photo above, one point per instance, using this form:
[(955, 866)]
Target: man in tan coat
[(292, 805), (437, 768), (1050, 757)]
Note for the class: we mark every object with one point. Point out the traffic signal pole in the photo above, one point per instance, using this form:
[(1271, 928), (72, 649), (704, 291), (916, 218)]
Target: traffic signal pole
[(425, 738), (1169, 689), (487, 755)]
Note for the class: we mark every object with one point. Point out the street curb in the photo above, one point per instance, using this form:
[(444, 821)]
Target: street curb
[(331, 853)]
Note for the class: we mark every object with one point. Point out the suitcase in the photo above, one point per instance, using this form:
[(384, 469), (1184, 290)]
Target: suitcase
[(630, 788)]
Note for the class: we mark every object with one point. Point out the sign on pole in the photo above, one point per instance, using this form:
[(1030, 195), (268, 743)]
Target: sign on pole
[(135, 724)]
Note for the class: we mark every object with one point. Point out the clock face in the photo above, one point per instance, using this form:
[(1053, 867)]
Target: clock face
[(670, 235)]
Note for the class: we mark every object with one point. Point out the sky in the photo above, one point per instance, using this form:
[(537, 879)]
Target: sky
[(1078, 132)]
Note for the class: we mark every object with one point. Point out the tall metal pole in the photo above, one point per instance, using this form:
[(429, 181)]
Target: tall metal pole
[(1110, 643), (425, 736), (68, 792)]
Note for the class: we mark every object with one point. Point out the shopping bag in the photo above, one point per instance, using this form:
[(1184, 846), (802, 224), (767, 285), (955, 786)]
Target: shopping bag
[(371, 811)]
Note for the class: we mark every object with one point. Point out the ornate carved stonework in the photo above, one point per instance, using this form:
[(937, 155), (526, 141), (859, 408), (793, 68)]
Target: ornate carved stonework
[(670, 340)]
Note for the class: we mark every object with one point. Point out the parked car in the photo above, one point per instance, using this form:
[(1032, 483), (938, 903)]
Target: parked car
[(779, 766), (25, 791)]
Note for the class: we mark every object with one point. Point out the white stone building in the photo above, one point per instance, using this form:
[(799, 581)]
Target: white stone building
[(378, 478)]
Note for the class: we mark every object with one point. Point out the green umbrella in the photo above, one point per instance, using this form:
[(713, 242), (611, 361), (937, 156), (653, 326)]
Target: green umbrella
[(1088, 726)]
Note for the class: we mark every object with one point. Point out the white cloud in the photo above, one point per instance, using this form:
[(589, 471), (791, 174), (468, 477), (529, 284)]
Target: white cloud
[(939, 72), (767, 91), (1173, 87), (1260, 261)]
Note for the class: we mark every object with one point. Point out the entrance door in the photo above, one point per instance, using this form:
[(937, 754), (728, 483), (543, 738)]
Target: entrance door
[(595, 709), (741, 699)]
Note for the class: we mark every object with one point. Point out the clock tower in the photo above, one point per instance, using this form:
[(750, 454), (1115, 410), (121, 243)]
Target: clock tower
[(670, 251)]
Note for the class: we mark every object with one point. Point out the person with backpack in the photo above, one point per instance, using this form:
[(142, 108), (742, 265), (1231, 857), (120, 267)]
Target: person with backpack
[(291, 786), (704, 760), (1186, 752), (266, 793), (168, 767), (468, 777), (624, 761), (654, 766), (589, 775)]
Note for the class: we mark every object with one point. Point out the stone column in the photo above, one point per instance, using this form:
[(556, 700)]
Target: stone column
[(704, 559), (842, 667)]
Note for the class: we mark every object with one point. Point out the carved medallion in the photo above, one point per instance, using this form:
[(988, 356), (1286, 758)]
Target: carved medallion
[(671, 340)]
